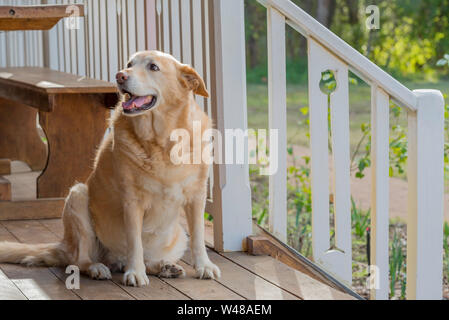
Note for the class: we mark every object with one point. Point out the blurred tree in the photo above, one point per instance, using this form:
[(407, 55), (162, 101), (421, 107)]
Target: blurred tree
[(413, 34)]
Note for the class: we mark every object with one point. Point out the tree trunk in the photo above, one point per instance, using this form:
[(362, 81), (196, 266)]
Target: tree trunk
[(325, 12)]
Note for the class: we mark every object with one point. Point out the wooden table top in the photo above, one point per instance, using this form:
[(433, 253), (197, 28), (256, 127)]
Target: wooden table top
[(35, 86), (53, 82), (40, 17)]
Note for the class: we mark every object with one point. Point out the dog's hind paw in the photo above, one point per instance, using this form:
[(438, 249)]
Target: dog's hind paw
[(172, 271), (99, 271)]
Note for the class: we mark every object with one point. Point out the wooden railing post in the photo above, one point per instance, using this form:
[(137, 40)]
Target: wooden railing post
[(426, 192), (278, 121), (380, 132), (232, 192)]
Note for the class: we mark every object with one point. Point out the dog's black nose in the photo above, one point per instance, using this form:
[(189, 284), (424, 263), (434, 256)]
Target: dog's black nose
[(121, 77)]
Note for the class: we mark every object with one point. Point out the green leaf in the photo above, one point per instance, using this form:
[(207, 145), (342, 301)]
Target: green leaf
[(304, 110)]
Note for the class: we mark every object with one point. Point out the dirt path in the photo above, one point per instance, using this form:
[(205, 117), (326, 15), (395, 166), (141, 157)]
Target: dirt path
[(361, 191)]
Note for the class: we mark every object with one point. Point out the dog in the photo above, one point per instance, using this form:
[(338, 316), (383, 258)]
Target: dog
[(126, 217)]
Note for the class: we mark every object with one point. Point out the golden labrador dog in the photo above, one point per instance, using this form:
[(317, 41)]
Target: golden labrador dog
[(126, 217)]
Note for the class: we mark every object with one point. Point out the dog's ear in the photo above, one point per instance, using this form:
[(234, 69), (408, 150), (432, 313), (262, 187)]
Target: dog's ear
[(192, 80)]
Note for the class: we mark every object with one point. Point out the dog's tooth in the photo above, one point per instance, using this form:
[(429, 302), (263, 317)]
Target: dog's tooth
[(127, 97)]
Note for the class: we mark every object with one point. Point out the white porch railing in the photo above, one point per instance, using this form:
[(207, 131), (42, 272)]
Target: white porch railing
[(425, 169), (209, 34)]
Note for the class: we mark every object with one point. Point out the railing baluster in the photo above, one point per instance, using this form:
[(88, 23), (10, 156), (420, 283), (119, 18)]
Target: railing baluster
[(103, 32), (112, 40), (166, 26), (426, 194), (319, 160), (380, 132), (186, 33), (175, 30), (337, 261), (277, 121), (151, 26), (140, 23), (197, 43)]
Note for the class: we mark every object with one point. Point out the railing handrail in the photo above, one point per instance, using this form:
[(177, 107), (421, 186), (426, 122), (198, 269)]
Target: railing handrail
[(358, 63)]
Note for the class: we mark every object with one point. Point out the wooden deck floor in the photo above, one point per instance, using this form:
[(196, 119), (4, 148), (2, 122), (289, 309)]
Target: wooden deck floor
[(243, 277)]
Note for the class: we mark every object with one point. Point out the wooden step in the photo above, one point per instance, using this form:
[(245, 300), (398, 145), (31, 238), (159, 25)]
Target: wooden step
[(5, 189), (34, 209)]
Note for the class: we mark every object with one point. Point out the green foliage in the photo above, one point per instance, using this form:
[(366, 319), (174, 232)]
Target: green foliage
[(360, 220), (397, 265), (413, 35)]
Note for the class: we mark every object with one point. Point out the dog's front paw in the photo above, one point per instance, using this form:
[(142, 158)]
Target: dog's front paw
[(207, 270), (99, 271), (135, 278)]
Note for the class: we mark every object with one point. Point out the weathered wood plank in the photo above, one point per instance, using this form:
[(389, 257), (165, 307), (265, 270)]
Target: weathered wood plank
[(8, 291), (34, 283), (157, 290), (245, 283), (77, 120), (201, 289), (5, 189), (32, 231), (54, 225), (287, 278), (94, 289), (38, 283), (24, 144), (5, 166), (31, 209), (41, 17)]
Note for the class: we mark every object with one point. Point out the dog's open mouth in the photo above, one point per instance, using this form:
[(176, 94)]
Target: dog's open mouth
[(135, 104)]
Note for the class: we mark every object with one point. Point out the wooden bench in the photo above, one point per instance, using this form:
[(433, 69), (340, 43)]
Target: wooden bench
[(72, 112)]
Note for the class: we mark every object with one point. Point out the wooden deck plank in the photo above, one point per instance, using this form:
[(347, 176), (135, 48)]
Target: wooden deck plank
[(38, 283), (244, 282), (287, 278), (201, 289), (5, 235), (34, 283), (32, 231), (54, 225), (95, 289), (8, 290), (157, 290)]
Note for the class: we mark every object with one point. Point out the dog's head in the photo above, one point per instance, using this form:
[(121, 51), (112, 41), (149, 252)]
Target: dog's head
[(153, 79)]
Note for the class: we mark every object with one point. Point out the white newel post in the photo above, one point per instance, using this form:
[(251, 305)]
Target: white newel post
[(426, 192), (232, 192)]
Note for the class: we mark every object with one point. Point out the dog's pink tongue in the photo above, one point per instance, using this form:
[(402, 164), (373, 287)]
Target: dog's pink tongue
[(136, 102)]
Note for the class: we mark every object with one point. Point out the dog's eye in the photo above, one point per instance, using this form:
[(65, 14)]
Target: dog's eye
[(153, 67)]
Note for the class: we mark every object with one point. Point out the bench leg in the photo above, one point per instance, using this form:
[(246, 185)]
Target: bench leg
[(74, 131), (19, 139)]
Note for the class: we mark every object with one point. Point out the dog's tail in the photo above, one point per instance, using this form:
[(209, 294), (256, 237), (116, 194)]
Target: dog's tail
[(48, 254)]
